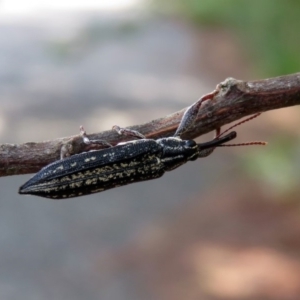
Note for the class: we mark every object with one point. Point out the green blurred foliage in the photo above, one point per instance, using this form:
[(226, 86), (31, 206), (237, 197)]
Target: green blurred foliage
[(276, 165), (269, 33), (269, 29)]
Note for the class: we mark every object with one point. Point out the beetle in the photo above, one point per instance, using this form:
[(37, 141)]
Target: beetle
[(97, 171), (125, 163)]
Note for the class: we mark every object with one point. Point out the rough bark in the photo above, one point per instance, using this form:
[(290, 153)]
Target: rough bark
[(233, 100)]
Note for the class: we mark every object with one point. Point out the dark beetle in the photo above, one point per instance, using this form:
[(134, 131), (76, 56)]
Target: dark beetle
[(134, 161), (125, 163)]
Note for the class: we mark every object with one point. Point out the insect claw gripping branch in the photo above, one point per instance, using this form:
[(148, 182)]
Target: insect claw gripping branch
[(134, 161)]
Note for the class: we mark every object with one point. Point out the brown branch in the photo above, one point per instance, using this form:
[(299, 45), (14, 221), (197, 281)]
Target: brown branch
[(234, 100)]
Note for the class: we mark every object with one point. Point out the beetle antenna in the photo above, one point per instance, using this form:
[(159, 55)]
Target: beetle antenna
[(219, 134), (259, 143), (237, 124)]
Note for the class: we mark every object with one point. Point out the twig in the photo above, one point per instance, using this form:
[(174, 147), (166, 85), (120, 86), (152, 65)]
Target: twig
[(233, 100)]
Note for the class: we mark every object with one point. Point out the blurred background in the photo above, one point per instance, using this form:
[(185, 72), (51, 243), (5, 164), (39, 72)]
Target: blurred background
[(224, 227)]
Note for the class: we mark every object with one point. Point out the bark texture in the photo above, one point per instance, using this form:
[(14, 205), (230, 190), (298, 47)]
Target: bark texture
[(233, 100)]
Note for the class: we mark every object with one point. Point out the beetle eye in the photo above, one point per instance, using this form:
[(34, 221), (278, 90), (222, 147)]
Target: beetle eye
[(190, 143)]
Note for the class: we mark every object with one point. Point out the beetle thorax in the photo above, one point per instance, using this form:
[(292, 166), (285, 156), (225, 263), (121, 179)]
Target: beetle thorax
[(174, 146)]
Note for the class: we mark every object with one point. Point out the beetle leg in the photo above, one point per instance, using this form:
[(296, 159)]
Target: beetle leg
[(67, 148), (190, 115), (128, 132), (87, 141)]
